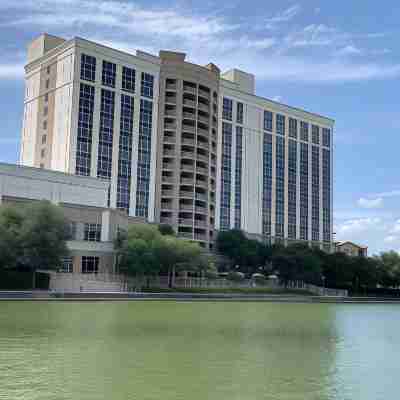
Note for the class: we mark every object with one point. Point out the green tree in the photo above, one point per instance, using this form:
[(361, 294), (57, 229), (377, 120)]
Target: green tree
[(388, 269), (166, 229), (11, 220), (43, 237)]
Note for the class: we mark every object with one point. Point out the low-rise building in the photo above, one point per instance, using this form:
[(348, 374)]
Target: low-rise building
[(351, 249), (83, 200)]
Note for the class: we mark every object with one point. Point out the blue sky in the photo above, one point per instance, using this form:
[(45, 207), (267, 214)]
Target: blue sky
[(334, 58)]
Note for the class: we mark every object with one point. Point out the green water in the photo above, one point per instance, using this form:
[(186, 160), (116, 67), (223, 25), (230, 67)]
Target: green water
[(190, 351)]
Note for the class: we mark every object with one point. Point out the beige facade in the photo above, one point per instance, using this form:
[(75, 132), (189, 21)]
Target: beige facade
[(187, 147), (179, 143)]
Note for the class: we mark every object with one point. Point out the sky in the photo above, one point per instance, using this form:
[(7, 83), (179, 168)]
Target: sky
[(337, 58)]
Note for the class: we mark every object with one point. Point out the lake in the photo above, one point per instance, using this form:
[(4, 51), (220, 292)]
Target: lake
[(198, 350)]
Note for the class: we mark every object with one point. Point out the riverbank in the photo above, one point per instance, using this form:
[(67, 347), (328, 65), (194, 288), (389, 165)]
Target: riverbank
[(181, 296)]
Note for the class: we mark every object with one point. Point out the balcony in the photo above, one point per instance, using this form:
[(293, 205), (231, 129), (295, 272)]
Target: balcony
[(204, 94), (189, 142), (204, 120), (170, 86), (202, 157), (167, 179), (169, 153), (168, 165), (188, 115), (166, 205), (169, 126), (187, 181), (170, 113), (188, 128), (189, 89), (202, 144), (204, 107), (187, 154), (187, 194), (186, 221), (186, 235), (202, 184), (201, 196), (189, 103), (201, 210), (187, 167), (203, 171), (167, 193), (200, 223), (186, 207), (203, 132)]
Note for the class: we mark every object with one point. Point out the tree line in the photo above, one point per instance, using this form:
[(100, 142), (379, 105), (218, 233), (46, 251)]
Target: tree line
[(299, 262)]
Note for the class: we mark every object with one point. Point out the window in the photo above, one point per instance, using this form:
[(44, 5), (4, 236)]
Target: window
[(225, 219), (147, 85), (280, 187), (44, 139), (239, 113), (88, 68), (67, 265), (128, 79), (293, 128), (125, 152), (106, 133), (45, 124), (41, 165), (45, 110), (227, 109), (280, 124), (48, 69), (72, 230), (315, 134), (326, 137), (326, 195), (292, 186), (315, 193), (144, 158), (46, 97), (92, 232), (267, 183), (85, 126), (238, 177), (108, 74), (304, 131), (268, 121), (47, 83), (43, 153), (90, 265), (304, 191)]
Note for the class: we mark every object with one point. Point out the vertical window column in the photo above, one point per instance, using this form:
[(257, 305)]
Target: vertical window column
[(85, 127), (267, 183), (303, 191), (292, 176), (125, 153), (326, 194), (238, 177), (226, 176), (280, 187), (315, 193), (106, 131), (144, 158)]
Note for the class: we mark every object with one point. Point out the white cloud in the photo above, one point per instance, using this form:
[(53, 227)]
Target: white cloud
[(283, 16), (205, 38), (358, 225), (392, 193), (370, 203), (349, 50), (390, 239), (396, 227)]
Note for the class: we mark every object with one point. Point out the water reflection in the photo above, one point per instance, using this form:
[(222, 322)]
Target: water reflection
[(167, 350)]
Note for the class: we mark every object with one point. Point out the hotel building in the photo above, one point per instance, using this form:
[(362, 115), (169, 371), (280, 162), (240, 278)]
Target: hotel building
[(179, 143)]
